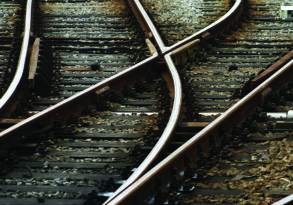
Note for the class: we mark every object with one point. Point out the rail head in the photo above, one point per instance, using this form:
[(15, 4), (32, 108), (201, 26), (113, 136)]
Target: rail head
[(56, 110), (145, 165), (166, 135), (158, 177), (11, 91)]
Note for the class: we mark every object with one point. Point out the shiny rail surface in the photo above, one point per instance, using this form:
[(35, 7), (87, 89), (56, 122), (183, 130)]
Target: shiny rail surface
[(10, 28), (153, 32), (179, 19), (236, 8), (73, 100), (11, 91)]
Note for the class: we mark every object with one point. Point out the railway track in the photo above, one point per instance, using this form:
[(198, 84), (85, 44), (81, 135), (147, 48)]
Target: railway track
[(120, 130), (86, 159), (217, 79), (215, 76)]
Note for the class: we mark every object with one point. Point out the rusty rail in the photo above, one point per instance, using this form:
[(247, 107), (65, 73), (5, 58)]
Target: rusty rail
[(166, 135), (272, 69), (208, 32), (15, 84), (178, 163)]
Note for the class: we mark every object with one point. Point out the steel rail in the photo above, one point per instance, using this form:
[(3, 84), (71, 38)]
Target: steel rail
[(58, 108), (33, 121), (202, 34), (226, 19), (20, 70), (54, 112), (159, 177), (166, 135)]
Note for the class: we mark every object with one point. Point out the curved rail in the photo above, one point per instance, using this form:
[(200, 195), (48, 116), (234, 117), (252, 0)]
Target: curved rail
[(227, 19), (159, 177), (175, 113), (20, 71)]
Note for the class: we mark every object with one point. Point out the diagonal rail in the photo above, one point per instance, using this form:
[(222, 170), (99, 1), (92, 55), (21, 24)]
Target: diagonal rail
[(57, 110), (209, 31), (142, 15)]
